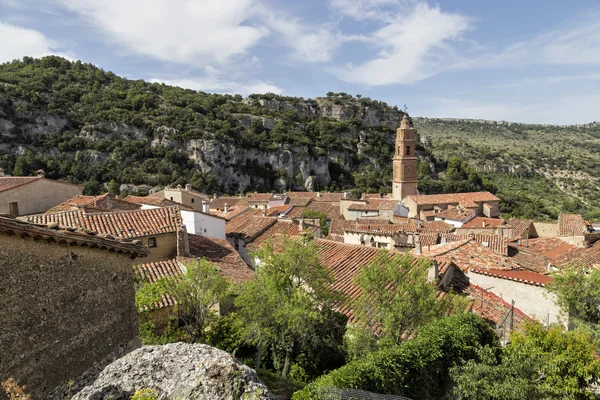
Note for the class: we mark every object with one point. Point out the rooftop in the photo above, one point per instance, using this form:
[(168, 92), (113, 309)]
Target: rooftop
[(52, 233), (374, 205), (300, 201), (523, 276), (124, 224), (102, 202), (234, 212), (453, 198), (455, 214), (469, 254), (249, 228), (572, 225), (519, 226), (155, 201), (483, 222)]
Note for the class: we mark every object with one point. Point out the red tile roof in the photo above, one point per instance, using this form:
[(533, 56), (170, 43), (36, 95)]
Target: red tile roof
[(372, 221), (124, 224), (153, 271), (537, 253), (300, 201), (591, 256), (335, 237), (466, 199), (572, 225), (155, 201), (330, 209), (219, 202), (329, 197), (519, 226), (235, 212), (301, 194), (469, 254), (259, 197), (11, 182), (383, 229), (523, 276), (249, 228), (497, 243), (493, 309), (275, 211), (455, 214), (223, 255), (103, 202), (374, 205), (287, 228), (52, 234), (435, 226), (478, 222)]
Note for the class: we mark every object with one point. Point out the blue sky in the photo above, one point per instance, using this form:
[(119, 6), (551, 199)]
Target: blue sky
[(527, 61)]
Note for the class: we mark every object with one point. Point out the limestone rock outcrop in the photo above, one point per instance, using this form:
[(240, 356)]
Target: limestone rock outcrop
[(177, 371)]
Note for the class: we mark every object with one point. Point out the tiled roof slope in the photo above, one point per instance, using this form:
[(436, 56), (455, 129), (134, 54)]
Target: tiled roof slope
[(259, 197), (330, 209), (536, 254), (375, 205), (219, 202), (454, 214), (275, 211), (103, 202), (469, 254), (492, 308), (287, 228), (153, 271), (497, 243), (453, 198), (301, 194), (591, 256), (155, 201), (478, 222), (572, 225), (52, 234), (124, 224), (11, 182), (235, 212), (300, 201), (519, 226), (529, 277), (223, 255), (249, 228), (329, 197)]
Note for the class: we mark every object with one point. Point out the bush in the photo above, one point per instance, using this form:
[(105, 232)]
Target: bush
[(417, 368)]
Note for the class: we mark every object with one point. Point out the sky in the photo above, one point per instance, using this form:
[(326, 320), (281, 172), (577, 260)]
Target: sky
[(534, 61)]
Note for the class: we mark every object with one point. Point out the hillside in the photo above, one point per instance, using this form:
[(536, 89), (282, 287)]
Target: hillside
[(80, 123)]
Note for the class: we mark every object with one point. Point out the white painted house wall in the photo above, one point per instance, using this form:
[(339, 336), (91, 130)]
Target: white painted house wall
[(198, 223), (358, 238), (535, 301)]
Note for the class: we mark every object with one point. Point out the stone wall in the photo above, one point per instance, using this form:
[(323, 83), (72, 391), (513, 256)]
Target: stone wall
[(166, 247), (63, 309), (38, 196), (545, 229)]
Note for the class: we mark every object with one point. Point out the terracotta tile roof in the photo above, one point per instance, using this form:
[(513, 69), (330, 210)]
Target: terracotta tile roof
[(373, 221), (429, 239), (296, 212), (469, 254), (537, 253), (465, 199), (337, 227), (572, 225), (11, 182), (478, 222), (456, 214), (374, 205), (282, 228), (235, 212), (300, 201), (124, 224), (155, 201), (153, 271), (591, 256), (523, 276), (219, 202), (292, 195), (51, 233), (223, 255), (435, 226), (519, 226), (249, 228), (493, 309), (103, 202), (276, 211), (497, 243), (370, 196), (259, 197), (383, 229), (335, 237), (329, 197), (331, 210)]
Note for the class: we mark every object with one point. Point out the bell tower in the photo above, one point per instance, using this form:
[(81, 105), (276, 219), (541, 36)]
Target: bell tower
[(404, 182)]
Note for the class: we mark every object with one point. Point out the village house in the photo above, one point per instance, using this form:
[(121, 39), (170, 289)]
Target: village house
[(277, 200), (94, 204), (483, 203), (147, 202), (219, 203), (380, 209), (455, 216), (24, 195), (185, 196), (68, 303), (259, 200)]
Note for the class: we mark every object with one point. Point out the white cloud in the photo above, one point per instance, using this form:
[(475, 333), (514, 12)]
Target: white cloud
[(567, 109), (212, 84), (197, 33), (18, 42), (369, 9), (413, 47)]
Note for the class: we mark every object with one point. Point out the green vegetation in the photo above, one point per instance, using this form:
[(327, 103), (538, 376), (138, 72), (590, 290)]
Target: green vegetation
[(417, 368), (321, 216), (523, 161)]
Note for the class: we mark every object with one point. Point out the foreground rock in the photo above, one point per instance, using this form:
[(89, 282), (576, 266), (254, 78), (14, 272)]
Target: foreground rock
[(177, 371)]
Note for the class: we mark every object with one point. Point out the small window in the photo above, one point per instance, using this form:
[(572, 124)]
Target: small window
[(408, 149), (152, 242), (192, 200), (14, 209), (171, 197), (204, 230)]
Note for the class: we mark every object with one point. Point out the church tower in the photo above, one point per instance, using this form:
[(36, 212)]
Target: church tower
[(404, 182)]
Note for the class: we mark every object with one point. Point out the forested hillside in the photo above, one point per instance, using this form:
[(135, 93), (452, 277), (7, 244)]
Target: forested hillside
[(80, 123)]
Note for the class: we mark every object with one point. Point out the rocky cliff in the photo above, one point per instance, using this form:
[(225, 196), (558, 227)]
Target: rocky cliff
[(177, 371)]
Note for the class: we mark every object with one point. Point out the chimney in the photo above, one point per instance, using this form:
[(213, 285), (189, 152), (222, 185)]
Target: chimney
[(483, 224), (301, 225), (179, 187), (318, 194), (226, 208), (205, 207), (188, 187), (118, 197), (95, 202), (264, 212), (183, 244), (345, 195), (1, 172), (40, 172), (216, 196), (418, 247)]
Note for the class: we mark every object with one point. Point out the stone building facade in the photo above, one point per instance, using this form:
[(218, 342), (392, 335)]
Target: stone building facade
[(68, 303)]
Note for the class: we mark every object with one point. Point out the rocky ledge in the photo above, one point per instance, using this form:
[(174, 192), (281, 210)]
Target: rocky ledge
[(177, 371)]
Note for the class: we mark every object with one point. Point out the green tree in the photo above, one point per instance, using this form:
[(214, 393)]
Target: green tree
[(114, 187), (538, 363), (396, 297), (198, 292), (578, 291), (321, 216), (288, 301)]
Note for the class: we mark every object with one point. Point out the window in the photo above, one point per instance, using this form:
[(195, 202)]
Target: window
[(171, 197), (14, 209), (408, 149), (151, 242), (236, 244), (204, 230), (192, 200), (382, 245)]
